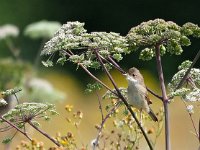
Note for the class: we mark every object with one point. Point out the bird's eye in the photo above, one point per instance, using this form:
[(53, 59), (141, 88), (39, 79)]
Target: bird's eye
[(133, 75)]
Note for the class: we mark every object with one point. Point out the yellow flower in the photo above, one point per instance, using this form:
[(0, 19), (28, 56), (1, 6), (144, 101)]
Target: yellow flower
[(69, 108)]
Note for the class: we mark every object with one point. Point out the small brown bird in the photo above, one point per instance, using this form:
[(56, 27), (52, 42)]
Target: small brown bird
[(137, 92)]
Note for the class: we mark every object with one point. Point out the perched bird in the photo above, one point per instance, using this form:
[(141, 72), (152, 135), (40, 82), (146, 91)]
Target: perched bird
[(137, 92)]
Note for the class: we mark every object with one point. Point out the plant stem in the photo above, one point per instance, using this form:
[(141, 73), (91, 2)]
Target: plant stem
[(14, 126), (154, 94), (15, 52), (102, 124), (199, 131), (124, 100), (193, 124), (164, 98), (89, 73), (45, 134), (100, 106), (116, 65)]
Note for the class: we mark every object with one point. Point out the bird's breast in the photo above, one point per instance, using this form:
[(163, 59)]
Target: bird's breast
[(135, 97)]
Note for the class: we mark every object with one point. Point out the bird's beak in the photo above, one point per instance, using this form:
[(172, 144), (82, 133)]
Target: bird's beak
[(125, 74)]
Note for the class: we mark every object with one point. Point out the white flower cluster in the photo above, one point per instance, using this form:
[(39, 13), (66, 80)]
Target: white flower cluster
[(3, 102), (72, 36), (179, 92), (147, 54), (67, 37), (8, 31), (170, 36), (190, 89), (190, 109), (193, 96), (30, 110)]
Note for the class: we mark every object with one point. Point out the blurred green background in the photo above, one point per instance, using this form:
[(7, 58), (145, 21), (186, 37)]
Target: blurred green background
[(104, 15)]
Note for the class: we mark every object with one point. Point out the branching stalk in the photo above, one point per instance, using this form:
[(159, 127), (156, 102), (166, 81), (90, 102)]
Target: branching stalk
[(164, 98), (102, 124), (124, 100), (14, 126), (90, 74), (45, 134)]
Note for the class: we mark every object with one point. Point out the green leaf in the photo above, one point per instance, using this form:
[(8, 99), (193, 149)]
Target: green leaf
[(47, 63), (118, 57), (7, 140), (61, 60)]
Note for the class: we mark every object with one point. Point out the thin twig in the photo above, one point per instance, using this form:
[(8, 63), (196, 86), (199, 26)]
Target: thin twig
[(124, 100), (199, 131), (95, 78), (14, 126), (193, 124), (3, 129), (100, 106), (90, 74), (164, 97), (116, 65), (15, 52), (43, 133), (102, 124), (153, 93)]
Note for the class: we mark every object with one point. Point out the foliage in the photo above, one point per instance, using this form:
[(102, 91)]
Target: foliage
[(170, 37), (97, 50), (25, 113), (102, 50)]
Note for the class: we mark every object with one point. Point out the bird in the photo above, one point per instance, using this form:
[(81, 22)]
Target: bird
[(137, 92)]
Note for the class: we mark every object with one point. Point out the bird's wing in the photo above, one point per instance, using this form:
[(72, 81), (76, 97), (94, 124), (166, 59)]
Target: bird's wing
[(143, 92)]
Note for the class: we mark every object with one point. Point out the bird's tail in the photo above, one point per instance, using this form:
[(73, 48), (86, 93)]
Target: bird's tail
[(153, 116)]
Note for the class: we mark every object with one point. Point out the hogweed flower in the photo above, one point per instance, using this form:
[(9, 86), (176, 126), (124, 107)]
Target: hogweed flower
[(167, 34), (190, 90), (25, 112), (8, 30), (11, 91), (74, 37), (190, 109), (3, 102)]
